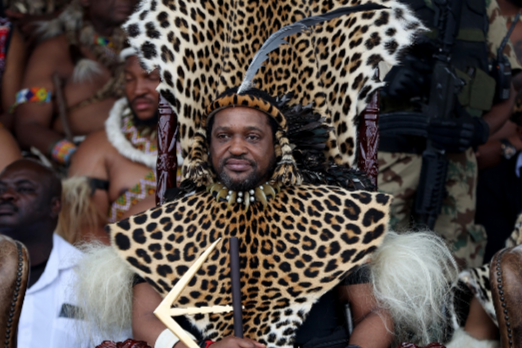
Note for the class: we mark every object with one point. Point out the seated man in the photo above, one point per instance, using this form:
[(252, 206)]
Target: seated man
[(30, 197), (122, 156), (84, 59), (258, 165)]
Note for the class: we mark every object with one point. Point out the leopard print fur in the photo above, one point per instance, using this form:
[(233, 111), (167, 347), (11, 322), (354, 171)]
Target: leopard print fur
[(292, 252), (202, 48)]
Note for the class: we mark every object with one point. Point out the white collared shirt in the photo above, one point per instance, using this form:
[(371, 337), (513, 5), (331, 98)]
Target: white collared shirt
[(518, 166), (41, 322)]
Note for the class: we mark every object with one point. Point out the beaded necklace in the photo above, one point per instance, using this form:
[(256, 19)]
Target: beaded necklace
[(261, 194)]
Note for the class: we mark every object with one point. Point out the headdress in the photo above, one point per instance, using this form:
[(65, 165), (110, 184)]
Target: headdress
[(203, 50)]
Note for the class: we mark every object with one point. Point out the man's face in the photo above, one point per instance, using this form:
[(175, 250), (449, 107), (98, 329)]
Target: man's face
[(24, 197), (140, 89), (110, 11), (242, 148)]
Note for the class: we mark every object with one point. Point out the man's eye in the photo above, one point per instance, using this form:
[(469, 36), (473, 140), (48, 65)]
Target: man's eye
[(222, 136), (25, 189), (253, 137)]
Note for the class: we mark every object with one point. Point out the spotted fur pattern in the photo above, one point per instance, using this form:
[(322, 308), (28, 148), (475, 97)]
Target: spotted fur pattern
[(202, 48), (300, 246), (477, 279)]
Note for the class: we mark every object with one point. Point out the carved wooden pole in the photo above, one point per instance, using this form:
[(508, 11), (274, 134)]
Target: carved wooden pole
[(369, 139), (167, 163)]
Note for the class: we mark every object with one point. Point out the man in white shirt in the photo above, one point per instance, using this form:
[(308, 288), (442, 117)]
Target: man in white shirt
[(30, 200)]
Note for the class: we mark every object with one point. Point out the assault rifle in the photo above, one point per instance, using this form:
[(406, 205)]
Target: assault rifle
[(445, 85)]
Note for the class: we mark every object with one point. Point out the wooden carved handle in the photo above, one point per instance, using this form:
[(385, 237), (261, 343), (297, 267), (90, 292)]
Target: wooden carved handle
[(167, 163), (369, 140)]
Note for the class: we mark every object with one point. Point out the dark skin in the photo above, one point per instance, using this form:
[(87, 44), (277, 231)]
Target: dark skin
[(240, 140), (30, 201), (9, 151), (37, 124), (98, 158), (240, 136), (12, 78)]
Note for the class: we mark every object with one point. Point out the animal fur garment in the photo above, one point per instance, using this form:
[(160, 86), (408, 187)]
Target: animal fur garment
[(413, 275), (461, 339), (204, 48), (291, 252), (104, 293)]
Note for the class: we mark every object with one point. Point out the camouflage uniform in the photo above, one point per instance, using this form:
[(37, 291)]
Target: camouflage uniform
[(399, 175)]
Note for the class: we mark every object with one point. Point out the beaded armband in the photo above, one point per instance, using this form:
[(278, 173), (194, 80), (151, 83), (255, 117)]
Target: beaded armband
[(33, 94), (62, 151)]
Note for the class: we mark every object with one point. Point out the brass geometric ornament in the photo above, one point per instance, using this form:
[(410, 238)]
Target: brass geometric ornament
[(165, 312)]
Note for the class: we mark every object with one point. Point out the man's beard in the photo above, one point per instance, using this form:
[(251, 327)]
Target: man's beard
[(148, 122), (250, 182)]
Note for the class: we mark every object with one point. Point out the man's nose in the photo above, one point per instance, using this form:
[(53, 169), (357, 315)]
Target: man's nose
[(7, 194), (237, 146), (141, 88)]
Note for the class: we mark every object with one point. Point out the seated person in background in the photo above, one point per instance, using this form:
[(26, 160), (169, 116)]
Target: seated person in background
[(29, 208), (84, 59), (26, 14), (499, 197), (120, 160), (9, 151), (12, 63)]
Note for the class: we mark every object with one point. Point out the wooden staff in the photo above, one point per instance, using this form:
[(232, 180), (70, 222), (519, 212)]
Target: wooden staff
[(167, 164), (236, 287), (62, 107)]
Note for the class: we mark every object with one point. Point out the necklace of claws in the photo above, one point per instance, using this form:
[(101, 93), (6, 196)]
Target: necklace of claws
[(261, 194)]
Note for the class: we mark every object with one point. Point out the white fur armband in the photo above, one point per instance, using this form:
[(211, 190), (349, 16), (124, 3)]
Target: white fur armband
[(167, 339)]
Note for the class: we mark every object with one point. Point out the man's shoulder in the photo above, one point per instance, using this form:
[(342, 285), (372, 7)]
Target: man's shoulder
[(95, 144), (57, 45)]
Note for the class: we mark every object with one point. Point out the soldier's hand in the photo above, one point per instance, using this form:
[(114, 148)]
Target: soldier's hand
[(457, 135), (236, 342), (408, 79)]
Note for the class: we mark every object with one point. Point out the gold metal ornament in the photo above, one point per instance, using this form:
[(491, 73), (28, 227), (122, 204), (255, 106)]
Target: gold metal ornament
[(164, 312)]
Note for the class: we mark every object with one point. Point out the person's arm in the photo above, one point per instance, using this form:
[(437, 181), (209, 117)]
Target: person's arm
[(373, 326), (89, 161), (478, 323), (33, 120), (147, 327), (500, 112), (12, 78), (490, 154), (147, 203), (9, 151)]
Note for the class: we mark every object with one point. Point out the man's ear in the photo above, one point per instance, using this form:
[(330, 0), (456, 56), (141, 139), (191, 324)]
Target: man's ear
[(56, 206)]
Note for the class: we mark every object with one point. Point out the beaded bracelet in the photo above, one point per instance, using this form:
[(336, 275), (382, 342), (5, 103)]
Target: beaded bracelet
[(33, 94), (62, 151)]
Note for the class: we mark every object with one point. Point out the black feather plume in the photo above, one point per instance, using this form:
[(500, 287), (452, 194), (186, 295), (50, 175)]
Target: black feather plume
[(277, 38)]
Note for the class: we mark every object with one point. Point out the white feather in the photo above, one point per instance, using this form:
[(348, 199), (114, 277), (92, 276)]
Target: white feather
[(412, 276), (104, 292)]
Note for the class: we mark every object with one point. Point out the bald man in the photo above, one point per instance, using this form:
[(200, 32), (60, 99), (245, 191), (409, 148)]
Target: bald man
[(30, 201)]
